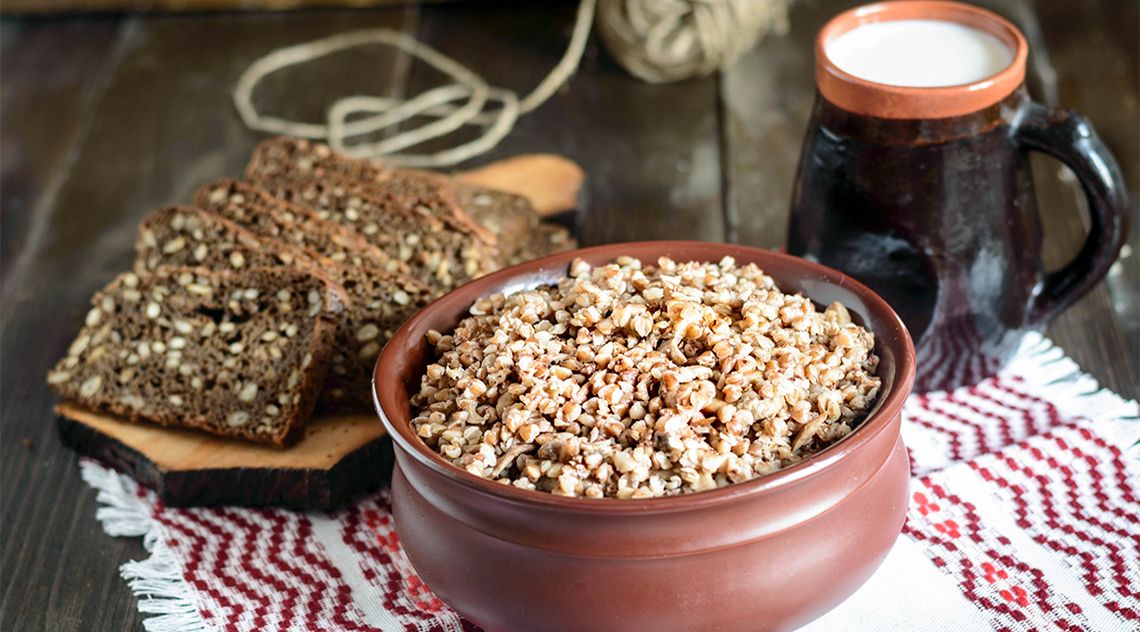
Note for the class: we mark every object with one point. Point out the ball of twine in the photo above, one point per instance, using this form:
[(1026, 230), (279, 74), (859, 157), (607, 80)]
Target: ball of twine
[(656, 40), (668, 40)]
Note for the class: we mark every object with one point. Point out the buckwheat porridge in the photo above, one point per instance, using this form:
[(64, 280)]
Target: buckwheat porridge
[(632, 380)]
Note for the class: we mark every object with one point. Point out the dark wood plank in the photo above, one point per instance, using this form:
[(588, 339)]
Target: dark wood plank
[(1094, 70), (40, 127), (50, 7), (766, 100), (162, 124), (52, 71), (650, 152)]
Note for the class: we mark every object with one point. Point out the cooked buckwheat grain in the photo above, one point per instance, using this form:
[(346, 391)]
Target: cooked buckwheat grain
[(635, 381)]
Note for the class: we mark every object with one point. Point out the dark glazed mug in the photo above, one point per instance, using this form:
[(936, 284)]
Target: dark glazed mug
[(925, 194)]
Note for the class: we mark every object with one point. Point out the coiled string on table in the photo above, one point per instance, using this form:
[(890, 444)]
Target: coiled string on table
[(656, 40)]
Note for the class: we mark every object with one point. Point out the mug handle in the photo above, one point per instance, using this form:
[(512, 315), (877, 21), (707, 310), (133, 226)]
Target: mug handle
[(1068, 137)]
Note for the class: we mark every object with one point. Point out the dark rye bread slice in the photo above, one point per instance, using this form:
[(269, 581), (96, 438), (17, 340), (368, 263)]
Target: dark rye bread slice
[(376, 302), (285, 157), (508, 216), (545, 239), (380, 303), (440, 252), (240, 354), (259, 212), (189, 236)]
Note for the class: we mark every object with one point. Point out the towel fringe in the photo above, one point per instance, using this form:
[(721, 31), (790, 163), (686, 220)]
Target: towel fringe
[(1048, 373), (156, 581)]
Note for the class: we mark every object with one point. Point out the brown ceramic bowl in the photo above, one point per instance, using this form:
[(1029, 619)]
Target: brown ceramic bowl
[(767, 554)]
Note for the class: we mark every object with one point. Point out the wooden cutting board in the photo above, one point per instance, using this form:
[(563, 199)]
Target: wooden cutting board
[(338, 457)]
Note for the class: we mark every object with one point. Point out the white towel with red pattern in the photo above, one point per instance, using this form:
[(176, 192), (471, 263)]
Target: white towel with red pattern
[(1024, 515)]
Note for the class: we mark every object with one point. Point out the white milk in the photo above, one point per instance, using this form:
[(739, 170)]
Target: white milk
[(919, 53)]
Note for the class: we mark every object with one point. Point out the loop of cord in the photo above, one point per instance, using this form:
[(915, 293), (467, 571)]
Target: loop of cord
[(451, 106), (656, 40)]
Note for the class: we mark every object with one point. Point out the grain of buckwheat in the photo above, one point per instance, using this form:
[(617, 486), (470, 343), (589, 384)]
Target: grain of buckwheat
[(635, 381)]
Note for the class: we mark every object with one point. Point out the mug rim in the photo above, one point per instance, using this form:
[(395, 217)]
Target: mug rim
[(887, 101), (393, 413)]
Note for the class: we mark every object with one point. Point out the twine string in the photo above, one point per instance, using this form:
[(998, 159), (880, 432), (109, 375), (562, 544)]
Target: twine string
[(656, 40), (668, 40)]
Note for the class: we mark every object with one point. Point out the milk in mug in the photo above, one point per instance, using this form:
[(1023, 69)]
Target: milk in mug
[(919, 53)]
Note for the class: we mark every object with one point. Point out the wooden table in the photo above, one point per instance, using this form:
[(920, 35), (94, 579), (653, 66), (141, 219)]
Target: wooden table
[(107, 117)]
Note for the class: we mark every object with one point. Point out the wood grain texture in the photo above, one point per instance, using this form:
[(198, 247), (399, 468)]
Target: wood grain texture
[(1102, 331), (51, 72), (42, 7), (337, 458), (144, 116), (1071, 68), (650, 152), (161, 125), (552, 183), (766, 99)]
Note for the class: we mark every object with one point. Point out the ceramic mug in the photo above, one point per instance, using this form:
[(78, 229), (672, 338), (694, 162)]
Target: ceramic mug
[(925, 194)]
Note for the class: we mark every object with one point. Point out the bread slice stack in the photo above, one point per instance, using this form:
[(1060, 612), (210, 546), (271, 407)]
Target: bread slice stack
[(272, 297), (376, 301), (509, 217)]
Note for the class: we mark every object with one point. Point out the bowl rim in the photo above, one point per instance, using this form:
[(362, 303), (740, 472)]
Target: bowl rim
[(886, 410)]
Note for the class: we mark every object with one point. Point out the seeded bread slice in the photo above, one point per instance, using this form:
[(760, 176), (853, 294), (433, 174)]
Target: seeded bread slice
[(259, 212), (546, 239), (381, 302), (189, 236), (377, 302), (440, 253), (239, 354), (507, 216), (285, 157)]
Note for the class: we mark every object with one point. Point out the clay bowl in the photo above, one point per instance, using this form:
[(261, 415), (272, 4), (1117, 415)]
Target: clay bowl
[(767, 554)]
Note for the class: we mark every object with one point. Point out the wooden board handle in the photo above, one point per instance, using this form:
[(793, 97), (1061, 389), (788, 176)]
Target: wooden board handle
[(551, 182)]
